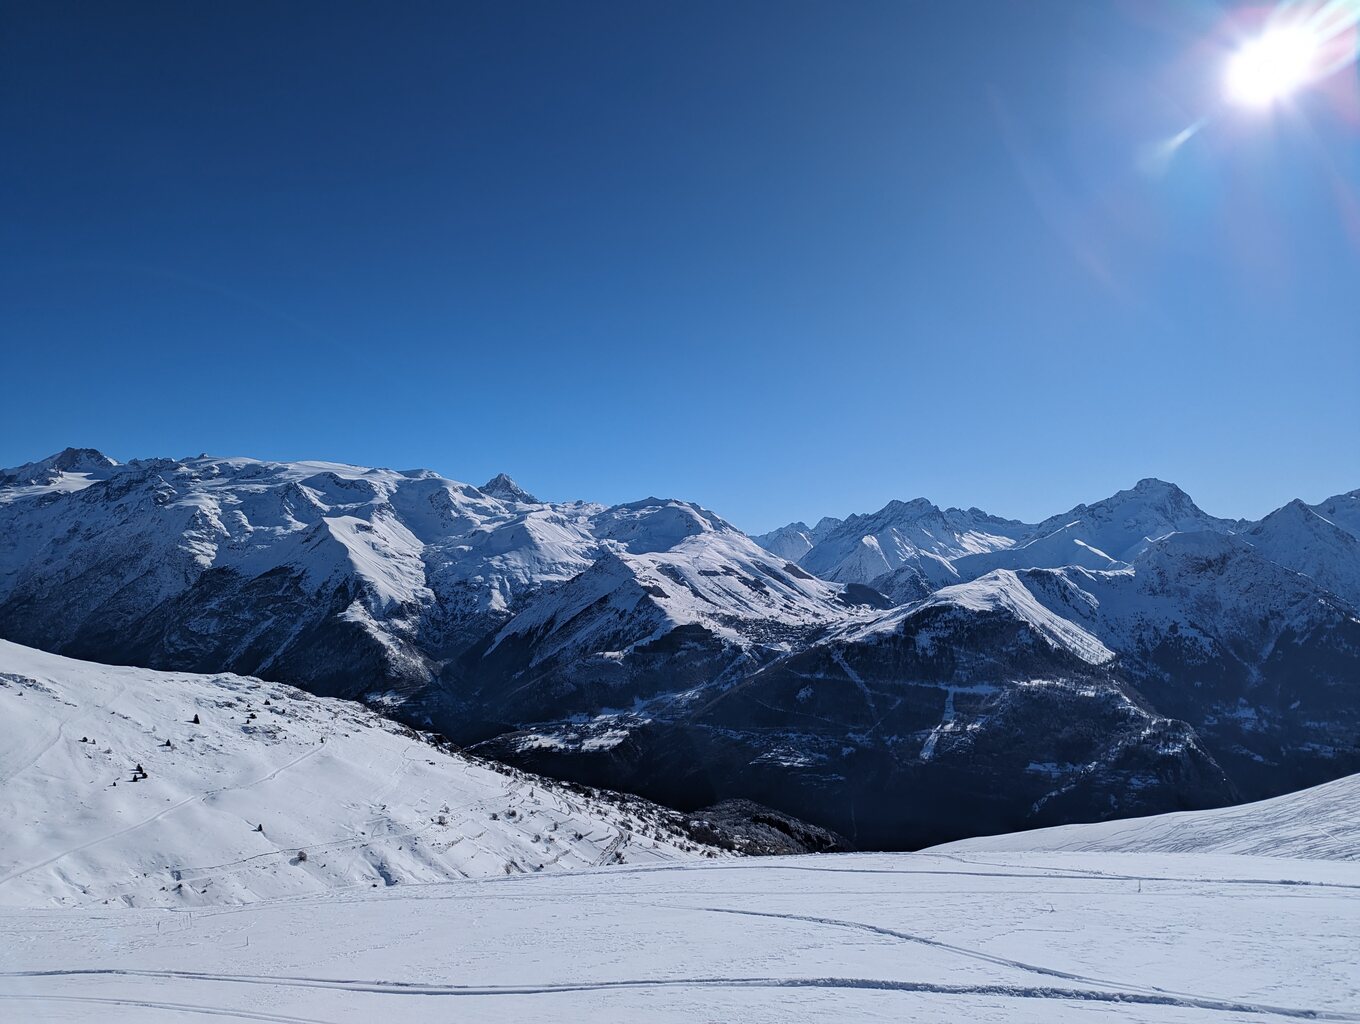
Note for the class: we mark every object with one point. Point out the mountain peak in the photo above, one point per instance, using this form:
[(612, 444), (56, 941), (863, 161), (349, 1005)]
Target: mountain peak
[(1151, 486), (49, 470), (503, 487), (1292, 515), (76, 458), (916, 507)]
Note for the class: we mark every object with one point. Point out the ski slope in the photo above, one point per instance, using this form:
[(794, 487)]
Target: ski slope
[(1322, 823), (1028, 934), (1167, 938), (273, 792)]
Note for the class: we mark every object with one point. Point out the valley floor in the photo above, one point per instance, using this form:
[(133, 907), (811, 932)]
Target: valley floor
[(946, 936)]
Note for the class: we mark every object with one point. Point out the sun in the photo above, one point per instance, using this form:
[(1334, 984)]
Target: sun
[(1272, 67)]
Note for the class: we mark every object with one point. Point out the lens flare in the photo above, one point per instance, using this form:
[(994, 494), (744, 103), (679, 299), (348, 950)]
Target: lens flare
[(1274, 66), (1302, 43)]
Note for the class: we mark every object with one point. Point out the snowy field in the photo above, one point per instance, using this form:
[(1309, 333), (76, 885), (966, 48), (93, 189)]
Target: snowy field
[(1015, 937), (157, 900)]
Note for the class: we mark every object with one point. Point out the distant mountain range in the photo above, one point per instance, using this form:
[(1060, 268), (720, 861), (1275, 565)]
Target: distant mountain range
[(905, 677)]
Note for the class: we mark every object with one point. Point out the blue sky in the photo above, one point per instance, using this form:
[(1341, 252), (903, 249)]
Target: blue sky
[(785, 260)]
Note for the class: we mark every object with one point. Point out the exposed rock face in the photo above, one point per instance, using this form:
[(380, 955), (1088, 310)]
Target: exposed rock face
[(758, 831), (502, 487)]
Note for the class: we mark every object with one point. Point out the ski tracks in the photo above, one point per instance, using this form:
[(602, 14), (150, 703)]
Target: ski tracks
[(20, 872), (885, 985)]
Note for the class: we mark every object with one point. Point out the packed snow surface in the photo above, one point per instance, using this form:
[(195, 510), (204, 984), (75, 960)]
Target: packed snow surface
[(1322, 823), (273, 792), (934, 937)]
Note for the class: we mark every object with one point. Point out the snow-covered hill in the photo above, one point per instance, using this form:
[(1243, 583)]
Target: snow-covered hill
[(1008, 932), (128, 786), (1321, 823)]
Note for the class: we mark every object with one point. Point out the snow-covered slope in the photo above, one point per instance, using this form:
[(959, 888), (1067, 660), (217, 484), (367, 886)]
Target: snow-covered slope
[(795, 540), (1104, 535), (999, 591), (955, 934), (147, 788), (1299, 538), (914, 533), (1321, 823), (646, 625), (1196, 588), (70, 470), (1343, 510), (720, 580)]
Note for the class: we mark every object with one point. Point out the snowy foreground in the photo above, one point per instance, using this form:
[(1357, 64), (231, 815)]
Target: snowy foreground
[(1019, 937), (1247, 913)]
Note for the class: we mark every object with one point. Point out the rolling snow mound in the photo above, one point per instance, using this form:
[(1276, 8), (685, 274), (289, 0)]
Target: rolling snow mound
[(1321, 823)]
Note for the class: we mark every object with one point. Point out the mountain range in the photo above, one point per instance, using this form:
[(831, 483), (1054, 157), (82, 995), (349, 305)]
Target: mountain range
[(906, 677)]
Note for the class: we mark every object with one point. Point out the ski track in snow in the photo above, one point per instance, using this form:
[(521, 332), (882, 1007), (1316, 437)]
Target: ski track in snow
[(149, 1004), (1199, 935), (1134, 997), (161, 814)]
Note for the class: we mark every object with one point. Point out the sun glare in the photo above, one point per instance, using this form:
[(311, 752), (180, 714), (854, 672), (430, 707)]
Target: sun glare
[(1271, 67)]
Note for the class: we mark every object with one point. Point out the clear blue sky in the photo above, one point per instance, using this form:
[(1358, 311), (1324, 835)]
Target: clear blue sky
[(784, 259)]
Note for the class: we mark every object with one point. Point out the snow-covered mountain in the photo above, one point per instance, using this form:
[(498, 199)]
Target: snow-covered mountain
[(147, 788), (503, 487), (987, 710), (1260, 659), (1107, 533), (68, 470), (346, 580), (914, 535), (944, 546), (1343, 510), (1300, 538), (638, 626), (912, 675), (794, 541)]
